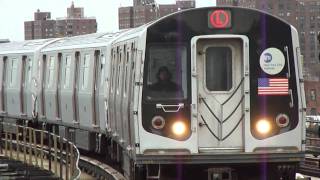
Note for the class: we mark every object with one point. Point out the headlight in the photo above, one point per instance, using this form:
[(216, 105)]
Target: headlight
[(263, 126), (179, 128)]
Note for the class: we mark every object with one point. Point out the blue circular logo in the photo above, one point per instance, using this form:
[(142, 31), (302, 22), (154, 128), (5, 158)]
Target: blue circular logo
[(267, 57)]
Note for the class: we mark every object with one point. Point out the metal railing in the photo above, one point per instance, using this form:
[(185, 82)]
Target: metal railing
[(313, 135), (41, 148)]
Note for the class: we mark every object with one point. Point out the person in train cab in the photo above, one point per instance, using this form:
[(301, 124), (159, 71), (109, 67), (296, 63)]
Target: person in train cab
[(164, 82)]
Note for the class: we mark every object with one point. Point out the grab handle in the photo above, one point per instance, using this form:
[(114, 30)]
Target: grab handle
[(170, 108)]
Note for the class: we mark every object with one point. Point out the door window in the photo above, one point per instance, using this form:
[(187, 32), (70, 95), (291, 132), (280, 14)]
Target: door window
[(218, 68)]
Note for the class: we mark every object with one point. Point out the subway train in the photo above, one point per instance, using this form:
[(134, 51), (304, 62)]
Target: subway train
[(207, 93)]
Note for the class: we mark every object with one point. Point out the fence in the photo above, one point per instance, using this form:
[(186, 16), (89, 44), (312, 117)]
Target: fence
[(41, 148), (313, 135)]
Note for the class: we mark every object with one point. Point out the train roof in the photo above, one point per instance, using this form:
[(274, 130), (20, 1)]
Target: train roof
[(88, 40), (28, 46)]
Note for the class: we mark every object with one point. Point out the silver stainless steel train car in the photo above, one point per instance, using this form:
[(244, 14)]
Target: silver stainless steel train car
[(211, 93)]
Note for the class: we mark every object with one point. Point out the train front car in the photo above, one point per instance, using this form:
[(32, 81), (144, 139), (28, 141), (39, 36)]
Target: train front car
[(222, 97)]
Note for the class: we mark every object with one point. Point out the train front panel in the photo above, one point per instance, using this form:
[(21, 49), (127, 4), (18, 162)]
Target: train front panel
[(221, 86)]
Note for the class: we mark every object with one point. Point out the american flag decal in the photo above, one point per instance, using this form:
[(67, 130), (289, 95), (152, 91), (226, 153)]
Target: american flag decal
[(272, 86)]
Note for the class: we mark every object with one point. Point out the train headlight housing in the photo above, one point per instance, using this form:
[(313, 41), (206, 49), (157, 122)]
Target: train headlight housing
[(263, 126), (179, 128), (158, 122), (282, 120)]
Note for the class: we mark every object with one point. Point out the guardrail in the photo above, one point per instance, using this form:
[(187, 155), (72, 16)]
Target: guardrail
[(313, 136), (311, 165), (41, 148)]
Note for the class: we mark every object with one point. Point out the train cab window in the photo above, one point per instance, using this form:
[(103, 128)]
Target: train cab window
[(218, 67), (166, 75)]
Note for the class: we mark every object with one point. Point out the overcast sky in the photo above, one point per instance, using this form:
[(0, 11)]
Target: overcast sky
[(13, 13)]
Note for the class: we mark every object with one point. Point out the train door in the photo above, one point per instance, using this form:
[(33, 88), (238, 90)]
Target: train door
[(3, 85), (113, 75), (127, 99), (58, 87), (124, 94), (43, 85), (75, 93), (220, 83), (27, 85), (119, 91), (96, 79), (23, 86)]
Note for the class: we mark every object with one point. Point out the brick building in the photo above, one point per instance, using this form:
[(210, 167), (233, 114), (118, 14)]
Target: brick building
[(75, 23), (305, 16), (145, 11)]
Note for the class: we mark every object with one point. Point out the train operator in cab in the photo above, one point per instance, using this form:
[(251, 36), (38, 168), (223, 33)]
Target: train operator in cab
[(164, 82)]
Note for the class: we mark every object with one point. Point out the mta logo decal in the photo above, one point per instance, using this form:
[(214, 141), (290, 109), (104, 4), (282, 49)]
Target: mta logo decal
[(267, 57)]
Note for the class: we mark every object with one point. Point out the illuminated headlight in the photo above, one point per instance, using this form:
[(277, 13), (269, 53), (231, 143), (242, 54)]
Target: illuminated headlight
[(179, 128), (263, 126), (282, 120), (158, 122)]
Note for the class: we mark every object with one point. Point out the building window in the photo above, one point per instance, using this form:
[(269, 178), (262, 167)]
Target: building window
[(313, 111), (313, 94)]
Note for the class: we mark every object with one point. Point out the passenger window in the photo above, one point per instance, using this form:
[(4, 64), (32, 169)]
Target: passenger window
[(29, 70), (119, 65), (85, 72), (67, 71), (112, 76), (103, 61), (51, 71), (125, 73), (218, 68), (14, 71)]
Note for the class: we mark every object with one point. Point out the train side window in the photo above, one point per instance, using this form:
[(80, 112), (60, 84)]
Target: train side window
[(13, 72), (51, 71), (119, 65), (113, 70), (67, 65), (125, 73), (85, 72), (103, 62), (218, 67), (29, 70)]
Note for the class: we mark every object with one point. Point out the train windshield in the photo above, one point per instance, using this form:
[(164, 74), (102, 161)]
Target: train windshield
[(166, 76)]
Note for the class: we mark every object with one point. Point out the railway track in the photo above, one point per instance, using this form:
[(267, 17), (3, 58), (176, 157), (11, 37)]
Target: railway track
[(98, 169)]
